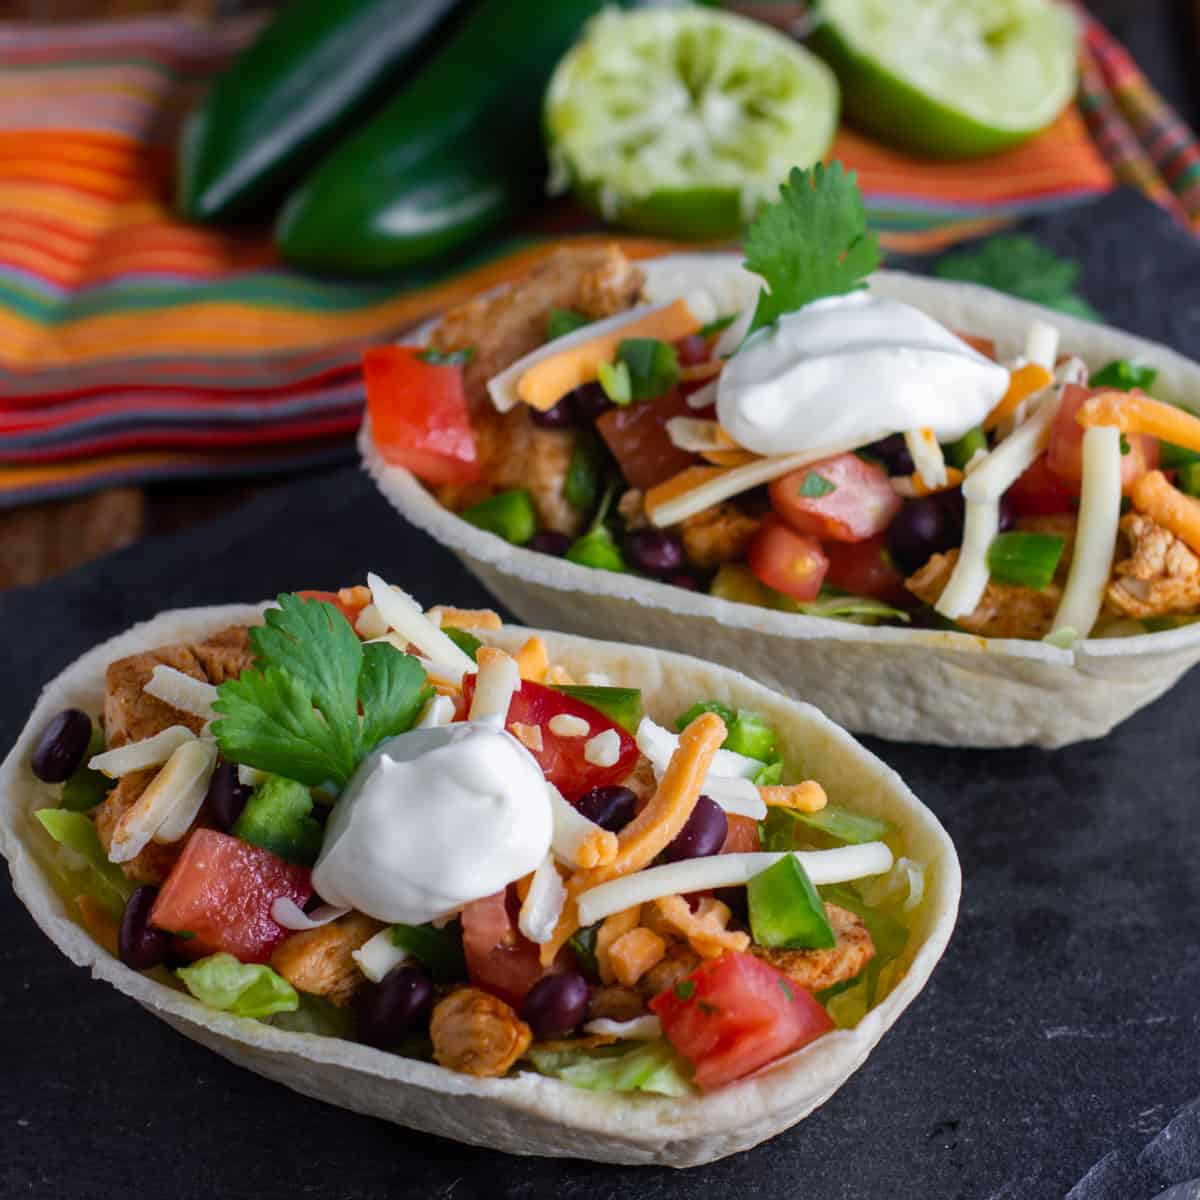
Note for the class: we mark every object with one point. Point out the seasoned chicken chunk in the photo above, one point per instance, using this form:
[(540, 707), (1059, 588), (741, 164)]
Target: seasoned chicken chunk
[(718, 535), (477, 1033), (131, 714), (615, 1003), (1160, 574), (153, 863), (1006, 611), (820, 969), (318, 961)]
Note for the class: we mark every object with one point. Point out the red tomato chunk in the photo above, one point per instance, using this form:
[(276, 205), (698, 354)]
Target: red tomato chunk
[(350, 611), (1064, 455), (499, 957), (562, 758), (866, 569), (849, 499), (1039, 492), (419, 417), (221, 890), (786, 561), (734, 1014), (637, 436)]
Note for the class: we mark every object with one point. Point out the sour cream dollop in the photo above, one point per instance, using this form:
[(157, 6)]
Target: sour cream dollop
[(848, 370), (432, 819)]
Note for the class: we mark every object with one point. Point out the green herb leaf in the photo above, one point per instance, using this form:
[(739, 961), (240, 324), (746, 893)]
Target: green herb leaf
[(510, 515), (1187, 479), (812, 242), (620, 705), (685, 989), (440, 950), (468, 643), (1123, 376), (583, 945), (1125, 446), (1017, 264), (220, 981), (447, 358), (585, 471), (653, 366), (1025, 559), (562, 321), (816, 485), (614, 379)]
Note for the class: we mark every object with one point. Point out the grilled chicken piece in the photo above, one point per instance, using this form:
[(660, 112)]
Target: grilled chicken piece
[(616, 1003), (130, 714), (820, 969), (477, 1033), (225, 655), (717, 535), (318, 961), (1006, 611), (681, 960), (1161, 574)]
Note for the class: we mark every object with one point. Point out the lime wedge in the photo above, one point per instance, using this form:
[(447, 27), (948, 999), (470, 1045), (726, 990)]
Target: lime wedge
[(951, 78), (685, 121)]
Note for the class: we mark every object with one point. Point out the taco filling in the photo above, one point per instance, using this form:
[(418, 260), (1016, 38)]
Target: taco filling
[(800, 443), (362, 820)]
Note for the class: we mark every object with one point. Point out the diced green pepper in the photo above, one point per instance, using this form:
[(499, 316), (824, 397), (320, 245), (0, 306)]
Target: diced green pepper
[(439, 950), (1025, 559), (87, 788), (785, 910), (769, 775), (509, 515), (1123, 375), (562, 321), (585, 471), (614, 379), (597, 548), (278, 817), (1188, 478), (751, 736), (727, 714), (622, 705), (959, 453), (468, 643), (653, 366)]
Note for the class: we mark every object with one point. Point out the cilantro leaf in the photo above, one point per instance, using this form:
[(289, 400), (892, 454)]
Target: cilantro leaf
[(316, 701), (653, 366), (812, 242), (447, 358), (815, 486)]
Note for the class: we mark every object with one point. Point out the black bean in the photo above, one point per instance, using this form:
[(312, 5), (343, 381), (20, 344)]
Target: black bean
[(556, 1004), (702, 835), (549, 541), (395, 1008), (140, 945), (654, 551), (612, 807), (226, 797), (62, 745)]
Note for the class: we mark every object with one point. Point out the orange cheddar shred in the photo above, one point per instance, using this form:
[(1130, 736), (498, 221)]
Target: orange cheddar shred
[(532, 660), (1132, 412), (1180, 514), (1025, 381), (808, 796)]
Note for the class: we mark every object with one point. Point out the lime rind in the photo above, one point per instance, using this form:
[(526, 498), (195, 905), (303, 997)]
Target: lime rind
[(685, 121), (951, 77)]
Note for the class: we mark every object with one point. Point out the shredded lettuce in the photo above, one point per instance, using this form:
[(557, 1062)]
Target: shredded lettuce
[(651, 1067), (75, 832), (735, 581), (315, 1014), (244, 989)]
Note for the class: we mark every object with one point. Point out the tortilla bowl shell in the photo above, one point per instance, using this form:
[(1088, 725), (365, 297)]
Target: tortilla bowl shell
[(947, 688), (527, 1114)]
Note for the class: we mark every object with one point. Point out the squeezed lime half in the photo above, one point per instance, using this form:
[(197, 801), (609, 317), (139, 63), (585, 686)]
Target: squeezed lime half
[(951, 78), (683, 122)]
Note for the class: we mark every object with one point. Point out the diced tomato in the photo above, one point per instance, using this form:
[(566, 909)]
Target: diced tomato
[(787, 561), (637, 436), (738, 1015), (857, 499), (562, 758), (419, 416), (500, 959), (692, 350), (1064, 455), (1038, 492), (866, 569), (350, 611), (741, 835), (221, 890)]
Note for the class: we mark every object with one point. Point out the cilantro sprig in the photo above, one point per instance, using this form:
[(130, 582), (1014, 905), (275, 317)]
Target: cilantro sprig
[(813, 242), (317, 700)]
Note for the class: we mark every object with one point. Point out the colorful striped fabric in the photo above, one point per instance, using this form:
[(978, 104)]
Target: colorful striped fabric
[(136, 348)]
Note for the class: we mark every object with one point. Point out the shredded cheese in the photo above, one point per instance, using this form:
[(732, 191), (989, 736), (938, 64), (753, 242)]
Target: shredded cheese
[(137, 756), (250, 776), (370, 625), (659, 744), (616, 926), (568, 725), (969, 579), (497, 680), (634, 953), (533, 660), (1133, 413), (438, 710), (927, 458), (1016, 454), (1155, 497), (703, 397), (464, 618), (698, 488), (737, 796), (705, 929), (543, 903), (1025, 382), (403, 614), (1096, 532), (286, 912), (698, 372), (912, 486), (379, 955), (181, 691), (808, 797), (1041, 345), (576, 841), (640, 1029), (604, 749), (530, 736), (697, 435), (840, 865)]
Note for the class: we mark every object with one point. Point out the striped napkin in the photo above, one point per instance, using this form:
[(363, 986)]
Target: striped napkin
[(136, 348)]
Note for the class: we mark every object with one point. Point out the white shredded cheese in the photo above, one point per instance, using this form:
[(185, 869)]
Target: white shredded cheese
[(1096, 532), (167, 808), (379, 955), (1041, 345), (568, 725), (697, 435), (640, 1029), (969, 579), (571, 829), (403, 614), (658, 744), (181, 691), (370, 625), (604, 749), (438, 710), (703, 397), (136, 756), (928, 460), (737, 796), (286, 912), (1016, 454), (735, 480), (503, 387), (543, 903), (905, 879), (250, 776), (498, 678), (728, 870)]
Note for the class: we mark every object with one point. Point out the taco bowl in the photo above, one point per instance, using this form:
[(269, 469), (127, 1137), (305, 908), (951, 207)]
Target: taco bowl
[(524, 1113), (936, 685)]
